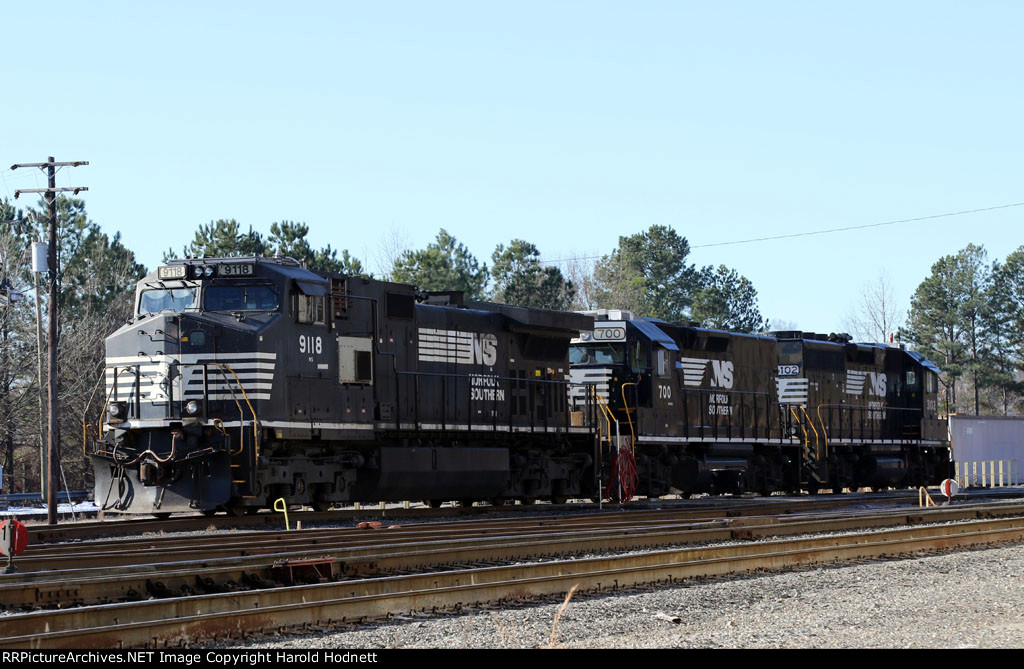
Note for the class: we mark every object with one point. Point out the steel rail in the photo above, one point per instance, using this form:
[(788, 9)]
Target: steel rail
[(123, 555), (730, 507), (185, 620), (92, 586), (163, 548)]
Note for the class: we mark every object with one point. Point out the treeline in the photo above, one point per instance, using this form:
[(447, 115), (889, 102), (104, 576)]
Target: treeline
[(647, 273), (968, 318)]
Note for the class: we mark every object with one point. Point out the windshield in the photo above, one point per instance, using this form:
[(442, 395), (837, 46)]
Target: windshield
[(174, 299), (240, 298), (597, 354)]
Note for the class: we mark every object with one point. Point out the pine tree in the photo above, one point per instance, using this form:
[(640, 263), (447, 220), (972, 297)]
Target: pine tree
[(443, 265), (520, 279), (947, 317), (726, 300)]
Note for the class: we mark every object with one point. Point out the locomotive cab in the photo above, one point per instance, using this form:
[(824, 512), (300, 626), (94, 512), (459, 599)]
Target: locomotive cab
[(187, 380)]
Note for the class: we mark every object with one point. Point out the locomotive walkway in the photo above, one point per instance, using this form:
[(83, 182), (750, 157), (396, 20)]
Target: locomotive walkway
[(203, 598)]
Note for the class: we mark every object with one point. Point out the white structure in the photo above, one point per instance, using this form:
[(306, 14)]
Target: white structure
[(988, 450)]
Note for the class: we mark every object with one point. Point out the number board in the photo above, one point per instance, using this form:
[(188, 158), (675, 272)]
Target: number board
[(172, 272), (237, 269), (610, 334)]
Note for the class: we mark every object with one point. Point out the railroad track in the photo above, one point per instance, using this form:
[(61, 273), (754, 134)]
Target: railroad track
[(39, 533), (183, 620), (187, 620), (156, 552)]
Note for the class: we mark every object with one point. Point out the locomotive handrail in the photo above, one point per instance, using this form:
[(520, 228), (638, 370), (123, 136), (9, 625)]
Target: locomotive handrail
[(817, 443), (700, 393), (444, 376), (241, 426), (603, 404), (859, 410), (807, 444), (625, 405), (85, 417), (824, 429), (120, 370), (103, 411)]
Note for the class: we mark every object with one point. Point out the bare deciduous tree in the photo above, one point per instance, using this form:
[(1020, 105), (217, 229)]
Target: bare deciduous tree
[(393, 245), (579, 270), (877, 314)]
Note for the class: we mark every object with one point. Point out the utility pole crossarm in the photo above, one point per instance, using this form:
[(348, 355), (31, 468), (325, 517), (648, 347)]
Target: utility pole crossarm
[(75, 190), (74, 163)]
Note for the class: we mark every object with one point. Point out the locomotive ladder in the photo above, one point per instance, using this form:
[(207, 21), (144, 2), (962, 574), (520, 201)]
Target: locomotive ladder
[(811, 464), (620, 449), (244, 470)]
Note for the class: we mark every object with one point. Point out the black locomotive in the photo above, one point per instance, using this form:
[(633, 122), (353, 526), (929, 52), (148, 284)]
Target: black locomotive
[(712, 411), (241, 381), (244, 380)]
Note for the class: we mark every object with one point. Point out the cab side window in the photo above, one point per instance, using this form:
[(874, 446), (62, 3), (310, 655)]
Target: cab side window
[(638, 357), (312, 309)]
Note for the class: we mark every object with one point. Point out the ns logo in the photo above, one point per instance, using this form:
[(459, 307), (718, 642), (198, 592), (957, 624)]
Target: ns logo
[(857, 381), (721, 373), (485, 349), (693, 370)]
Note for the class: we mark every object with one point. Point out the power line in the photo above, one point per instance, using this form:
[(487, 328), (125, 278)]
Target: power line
[(823, 232), (860, 227)]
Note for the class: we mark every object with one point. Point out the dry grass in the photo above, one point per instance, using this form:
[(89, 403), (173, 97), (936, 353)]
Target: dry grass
[(558, 615)]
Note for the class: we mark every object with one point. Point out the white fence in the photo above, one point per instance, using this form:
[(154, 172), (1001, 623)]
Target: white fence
[(988, 473)]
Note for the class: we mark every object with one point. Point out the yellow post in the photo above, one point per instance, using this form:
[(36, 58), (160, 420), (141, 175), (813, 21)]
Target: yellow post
[(282, 506)]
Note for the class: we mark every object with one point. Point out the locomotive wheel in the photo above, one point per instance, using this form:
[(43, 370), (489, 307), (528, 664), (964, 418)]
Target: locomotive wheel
[(209, 513), (433, 503), (466, 503), (163, 515), (498, 501)]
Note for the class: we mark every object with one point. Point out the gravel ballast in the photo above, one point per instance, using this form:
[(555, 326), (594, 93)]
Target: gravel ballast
[(968, 599)]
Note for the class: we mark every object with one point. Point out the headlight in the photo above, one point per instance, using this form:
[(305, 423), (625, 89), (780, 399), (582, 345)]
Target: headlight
[(192, 408), (208, 271), (117, 410)]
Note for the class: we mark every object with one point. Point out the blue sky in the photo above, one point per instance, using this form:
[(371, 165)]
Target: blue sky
[(566, 124)]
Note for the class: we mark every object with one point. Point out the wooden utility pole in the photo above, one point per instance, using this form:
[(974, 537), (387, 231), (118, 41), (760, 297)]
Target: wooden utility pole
[(53, 431)]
